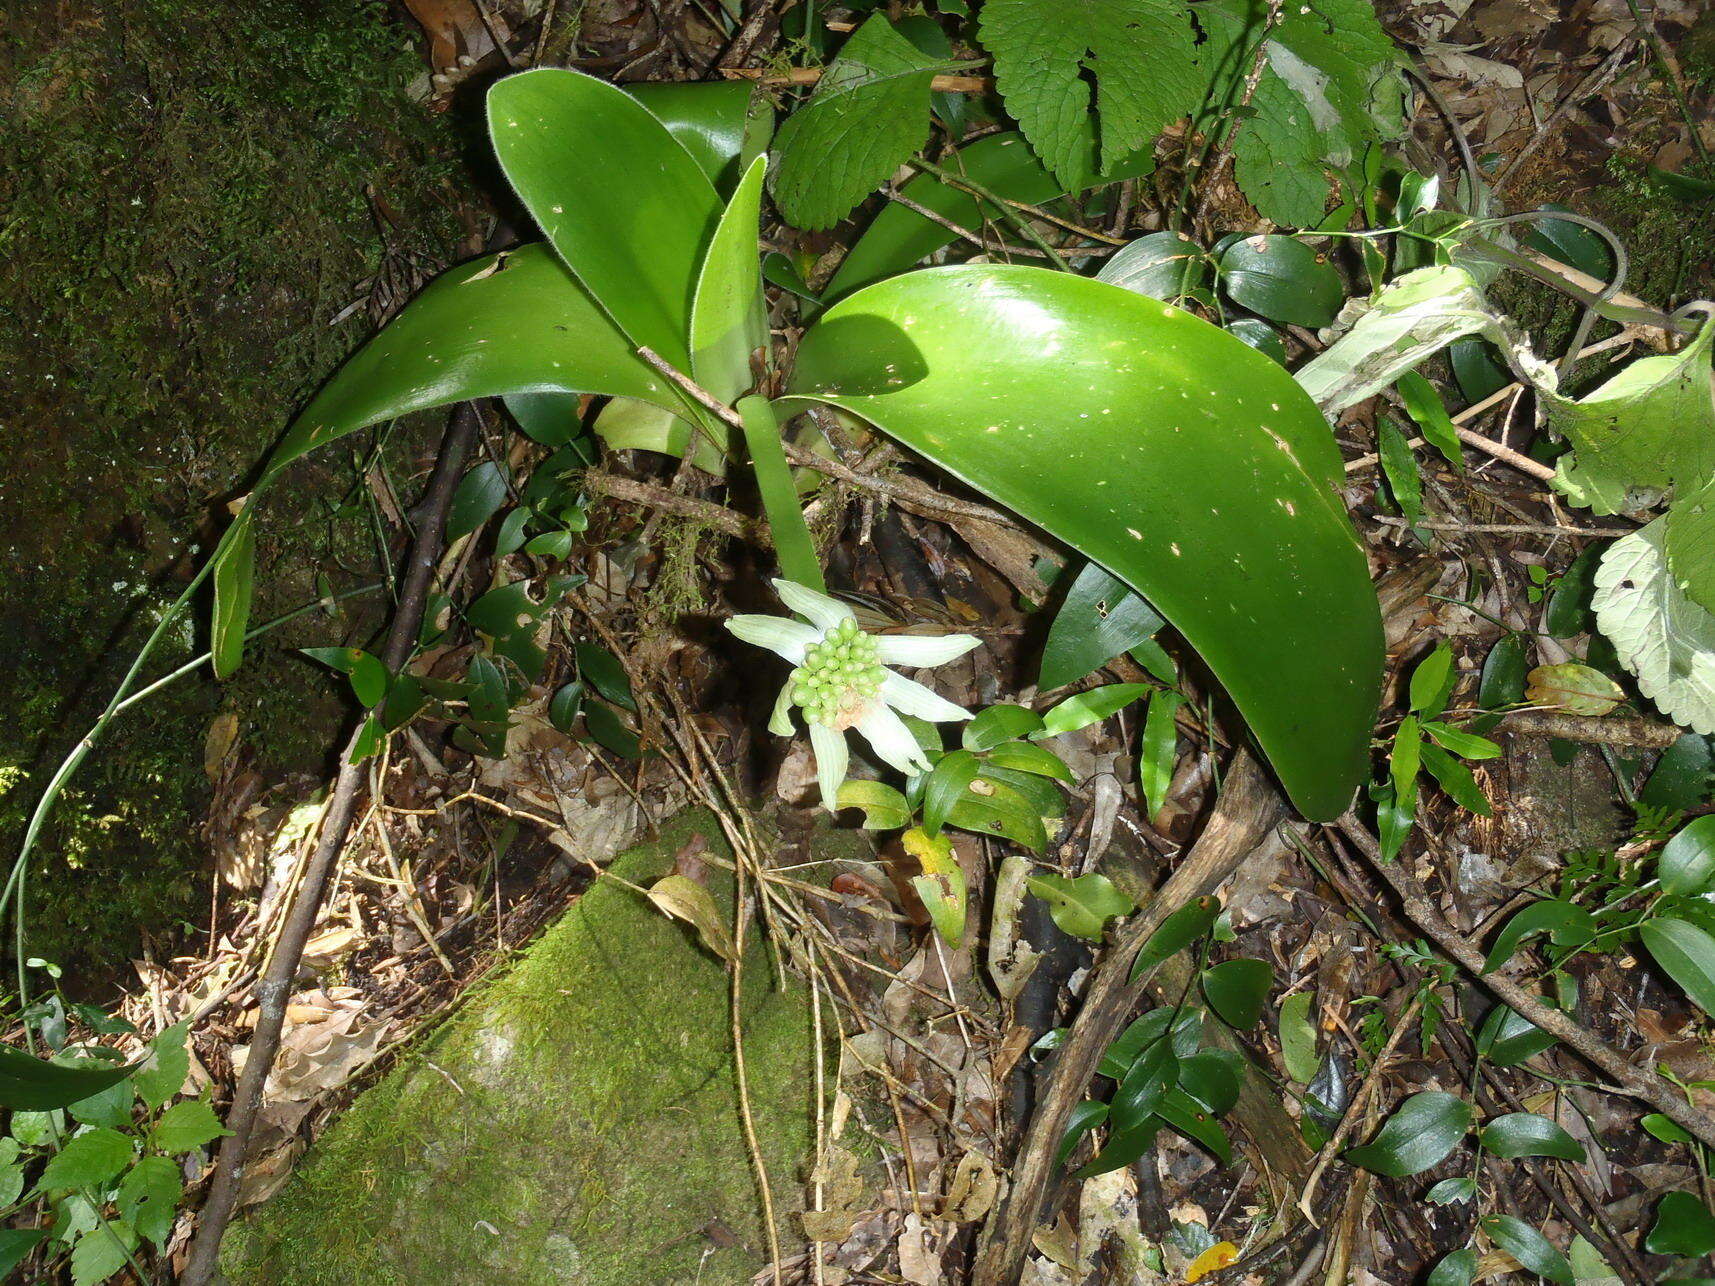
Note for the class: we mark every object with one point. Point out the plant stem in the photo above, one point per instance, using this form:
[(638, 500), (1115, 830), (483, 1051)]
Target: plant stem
[(792, 542)]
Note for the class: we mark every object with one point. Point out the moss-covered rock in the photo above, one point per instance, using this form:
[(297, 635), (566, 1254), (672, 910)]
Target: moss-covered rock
[(183, 213), (578, 1122)]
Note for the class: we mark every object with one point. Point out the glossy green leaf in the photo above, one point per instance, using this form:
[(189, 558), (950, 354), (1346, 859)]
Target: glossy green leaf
[(1178, 931), (610, 732), (477, 498), (1508, 1038), (603, 672), (1028, 757), (1456, 1269), (1683, 1226), (1399, 465), (1688, 859), (566, 705), (1529, 1247), (1237, 990), (1123, 1147), (1186, 1115), (1568, 924), (998, 723), (234, 587), (1451, 1191), (1002, 812), (724, 125), (946, 785), (1282, 279), (884, 808), (727, 319), (1686, 954), (1464, 744), (1141, 1032), (627, 424), (1162, 265), (794, 547), (1502, 681), (1526, 1134), (1572, 244), (1420, 1134), (1432, 682), (516, 322), (1044, 797), (1158, 749), (1083, 905), (619, 197), (1081, 709), (1260, 336), (32, 1084), (1219, 503), (1085, 1117), (1683, 777), (369, 678), (552, 419), (1456, 779), (1664, 1128), (1423, 403), (1568, 610), (1145, 1083), (1101, 618), (1298, 1037)]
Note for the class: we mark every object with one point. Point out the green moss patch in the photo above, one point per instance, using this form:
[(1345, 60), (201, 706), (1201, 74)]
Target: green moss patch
[(578, 1122)]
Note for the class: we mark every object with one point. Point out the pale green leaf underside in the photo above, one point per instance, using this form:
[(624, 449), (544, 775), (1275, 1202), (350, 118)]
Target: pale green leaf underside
[(1089, 411), (1140, 53), (869, 113), (1660, 634)]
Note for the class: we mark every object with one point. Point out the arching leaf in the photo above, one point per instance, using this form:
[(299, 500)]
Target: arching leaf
[(724, 125), (727, 320), (1183, 461)]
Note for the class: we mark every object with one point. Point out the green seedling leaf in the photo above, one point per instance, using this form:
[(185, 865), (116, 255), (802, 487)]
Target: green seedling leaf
[(1457, 780), (683, 898), (942, 884), (1282, 279), (884, 808), (1405, 758), (1081, 906), (186, 1125), (368, 676), (1683, 1226), (609, 731), (1420, 1134), (149, 1196), (870, 110), (1158, 750), (1573, 688), (1260, 336), (1529, 1247), (1432, 682), (1085, 1117), (1046, 53), (1298, 1037), (1464, 744), (1178, 931), (1686, 954), (234, 587), (1423, 403), (1100, 619), (1688, 859), (998, 724), (1568, 610), (87, 1161), (1241, 571), (1525, 1134), (1508, 1038), (1084, 708), (1567, 924), (1237, 990)]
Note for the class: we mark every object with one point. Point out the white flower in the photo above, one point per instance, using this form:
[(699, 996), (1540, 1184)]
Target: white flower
[(841, 681)]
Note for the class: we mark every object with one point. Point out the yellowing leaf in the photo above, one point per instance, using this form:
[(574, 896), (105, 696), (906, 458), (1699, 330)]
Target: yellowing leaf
[(1221, 1255), (685, 899), (1573, 688), (942, 884)]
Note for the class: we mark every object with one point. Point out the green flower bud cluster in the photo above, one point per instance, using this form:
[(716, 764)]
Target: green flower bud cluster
[(840, 676)]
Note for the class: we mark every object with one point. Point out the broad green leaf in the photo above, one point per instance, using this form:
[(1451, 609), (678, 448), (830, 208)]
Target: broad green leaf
[(1567, 924), (1259, 335), (1219, 503), (1044, 797), (1101, 618), (1688, 859), (31, 1084), (15, 1243), (1162, 265), (1683, 1226), (87, 1161), (1298, 1037), (609, 731), (1282, 279), (619, 198), (1237, 990), (1001, 811), (941, 886), (1141, 1032), (1158, 749), (1683, 777), (1027, 757), (724, 125), (998, 723), (1508, 1038), (1456, 779), (1574, 688), (946, 785), (868, 115), (515, 322), (1432, 682), (1404, 479), (884, 808), (1145, 1083), (566, 705), (1081, 906), (552, 419), (1003, 164), (1405, 758), (1526, 1134), (1529, 1247), (683, 898), (1123, 1147), (185, 1125), (627, 424), (1659, 633), (728, 323), (1423, 403), (234, 587), (603, 672), (1686, 954), (1081, 709), (1420, 1134), (1139, 53), (1662, 1127), (1502, 680), (1211, 1076), (1085, 1117), (1178, 931), (511, 536), (1186, 1115), (368, 677), (149, 1196), (1588, 1266), (1572, 244), (1456, 1269)]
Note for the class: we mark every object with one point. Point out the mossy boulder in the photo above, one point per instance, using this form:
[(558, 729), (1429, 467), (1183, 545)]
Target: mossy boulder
[(577, 1122)]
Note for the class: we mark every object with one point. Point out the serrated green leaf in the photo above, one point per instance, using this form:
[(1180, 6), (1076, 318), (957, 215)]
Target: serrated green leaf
[(868, 115), (1237, 990), (101, 1252), (1529, 1247), (1526, 1134), (1083, 905), (1139, 52), (87, 1161), (111, 1108), (186, 1125), (1420, 1134), (149, 1195)]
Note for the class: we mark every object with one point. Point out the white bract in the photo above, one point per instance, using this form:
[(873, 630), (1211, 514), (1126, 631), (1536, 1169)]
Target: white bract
[(841, 681)]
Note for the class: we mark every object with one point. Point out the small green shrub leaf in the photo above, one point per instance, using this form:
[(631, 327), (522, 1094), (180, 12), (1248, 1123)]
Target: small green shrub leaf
[(1529, 1247), (1683, 1226), (1568, 925), (186, 1125), (1083, 905), (1526, 1134), (1237, 990), (1420, 1134), (87, 1161), (1688, 860), (1282, 279), (1686, 954)]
